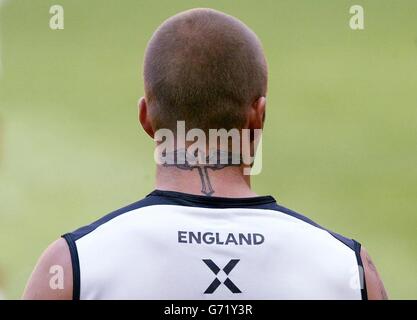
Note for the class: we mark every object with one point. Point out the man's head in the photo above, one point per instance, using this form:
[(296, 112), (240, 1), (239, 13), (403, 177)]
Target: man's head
[(206, 68)]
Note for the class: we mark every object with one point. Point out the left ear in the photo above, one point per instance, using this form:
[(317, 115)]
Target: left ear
[(257, 114), (144, 118)]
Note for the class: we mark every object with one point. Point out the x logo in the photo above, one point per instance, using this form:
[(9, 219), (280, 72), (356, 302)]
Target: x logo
[(216, 282)]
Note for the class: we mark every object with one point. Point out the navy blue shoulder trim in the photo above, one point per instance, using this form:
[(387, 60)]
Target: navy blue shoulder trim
[(349, 242), (81, 232), (75, 263), (362, 279)]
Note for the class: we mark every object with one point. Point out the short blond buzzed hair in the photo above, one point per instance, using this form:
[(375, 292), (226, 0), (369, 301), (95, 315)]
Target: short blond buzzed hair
[(204, 67)]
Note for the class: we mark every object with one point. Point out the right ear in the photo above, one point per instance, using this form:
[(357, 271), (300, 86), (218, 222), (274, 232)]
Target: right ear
[(256, 117), (144, 118)]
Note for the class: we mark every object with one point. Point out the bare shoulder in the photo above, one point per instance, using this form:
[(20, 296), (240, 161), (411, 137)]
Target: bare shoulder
[(52, 276), (374, 284)]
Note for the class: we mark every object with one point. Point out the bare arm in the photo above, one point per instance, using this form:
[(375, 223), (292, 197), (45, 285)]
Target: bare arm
[(52, 277), (374, 285)]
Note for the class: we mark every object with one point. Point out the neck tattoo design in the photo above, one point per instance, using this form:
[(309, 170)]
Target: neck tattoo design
[(216, 160)]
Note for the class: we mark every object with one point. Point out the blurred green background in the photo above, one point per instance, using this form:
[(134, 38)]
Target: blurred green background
[(340, 143)]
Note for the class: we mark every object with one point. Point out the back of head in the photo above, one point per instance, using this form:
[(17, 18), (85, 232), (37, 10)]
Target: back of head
[(204, 67)]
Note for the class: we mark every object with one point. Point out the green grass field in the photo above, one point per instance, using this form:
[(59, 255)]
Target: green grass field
[(340, 141)]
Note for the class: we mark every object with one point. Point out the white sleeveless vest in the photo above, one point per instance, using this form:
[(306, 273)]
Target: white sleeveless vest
[(173, 245)]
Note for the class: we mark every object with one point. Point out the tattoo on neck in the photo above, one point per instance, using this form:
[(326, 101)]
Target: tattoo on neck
[(214, 161)]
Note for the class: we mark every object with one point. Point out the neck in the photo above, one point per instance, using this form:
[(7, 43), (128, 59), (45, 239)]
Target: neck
[(207, 180)]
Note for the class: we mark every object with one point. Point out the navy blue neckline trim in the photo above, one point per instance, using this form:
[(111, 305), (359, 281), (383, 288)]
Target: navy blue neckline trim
[(215, 202)]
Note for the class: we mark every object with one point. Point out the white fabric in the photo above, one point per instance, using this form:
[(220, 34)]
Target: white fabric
[(137, 255)]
